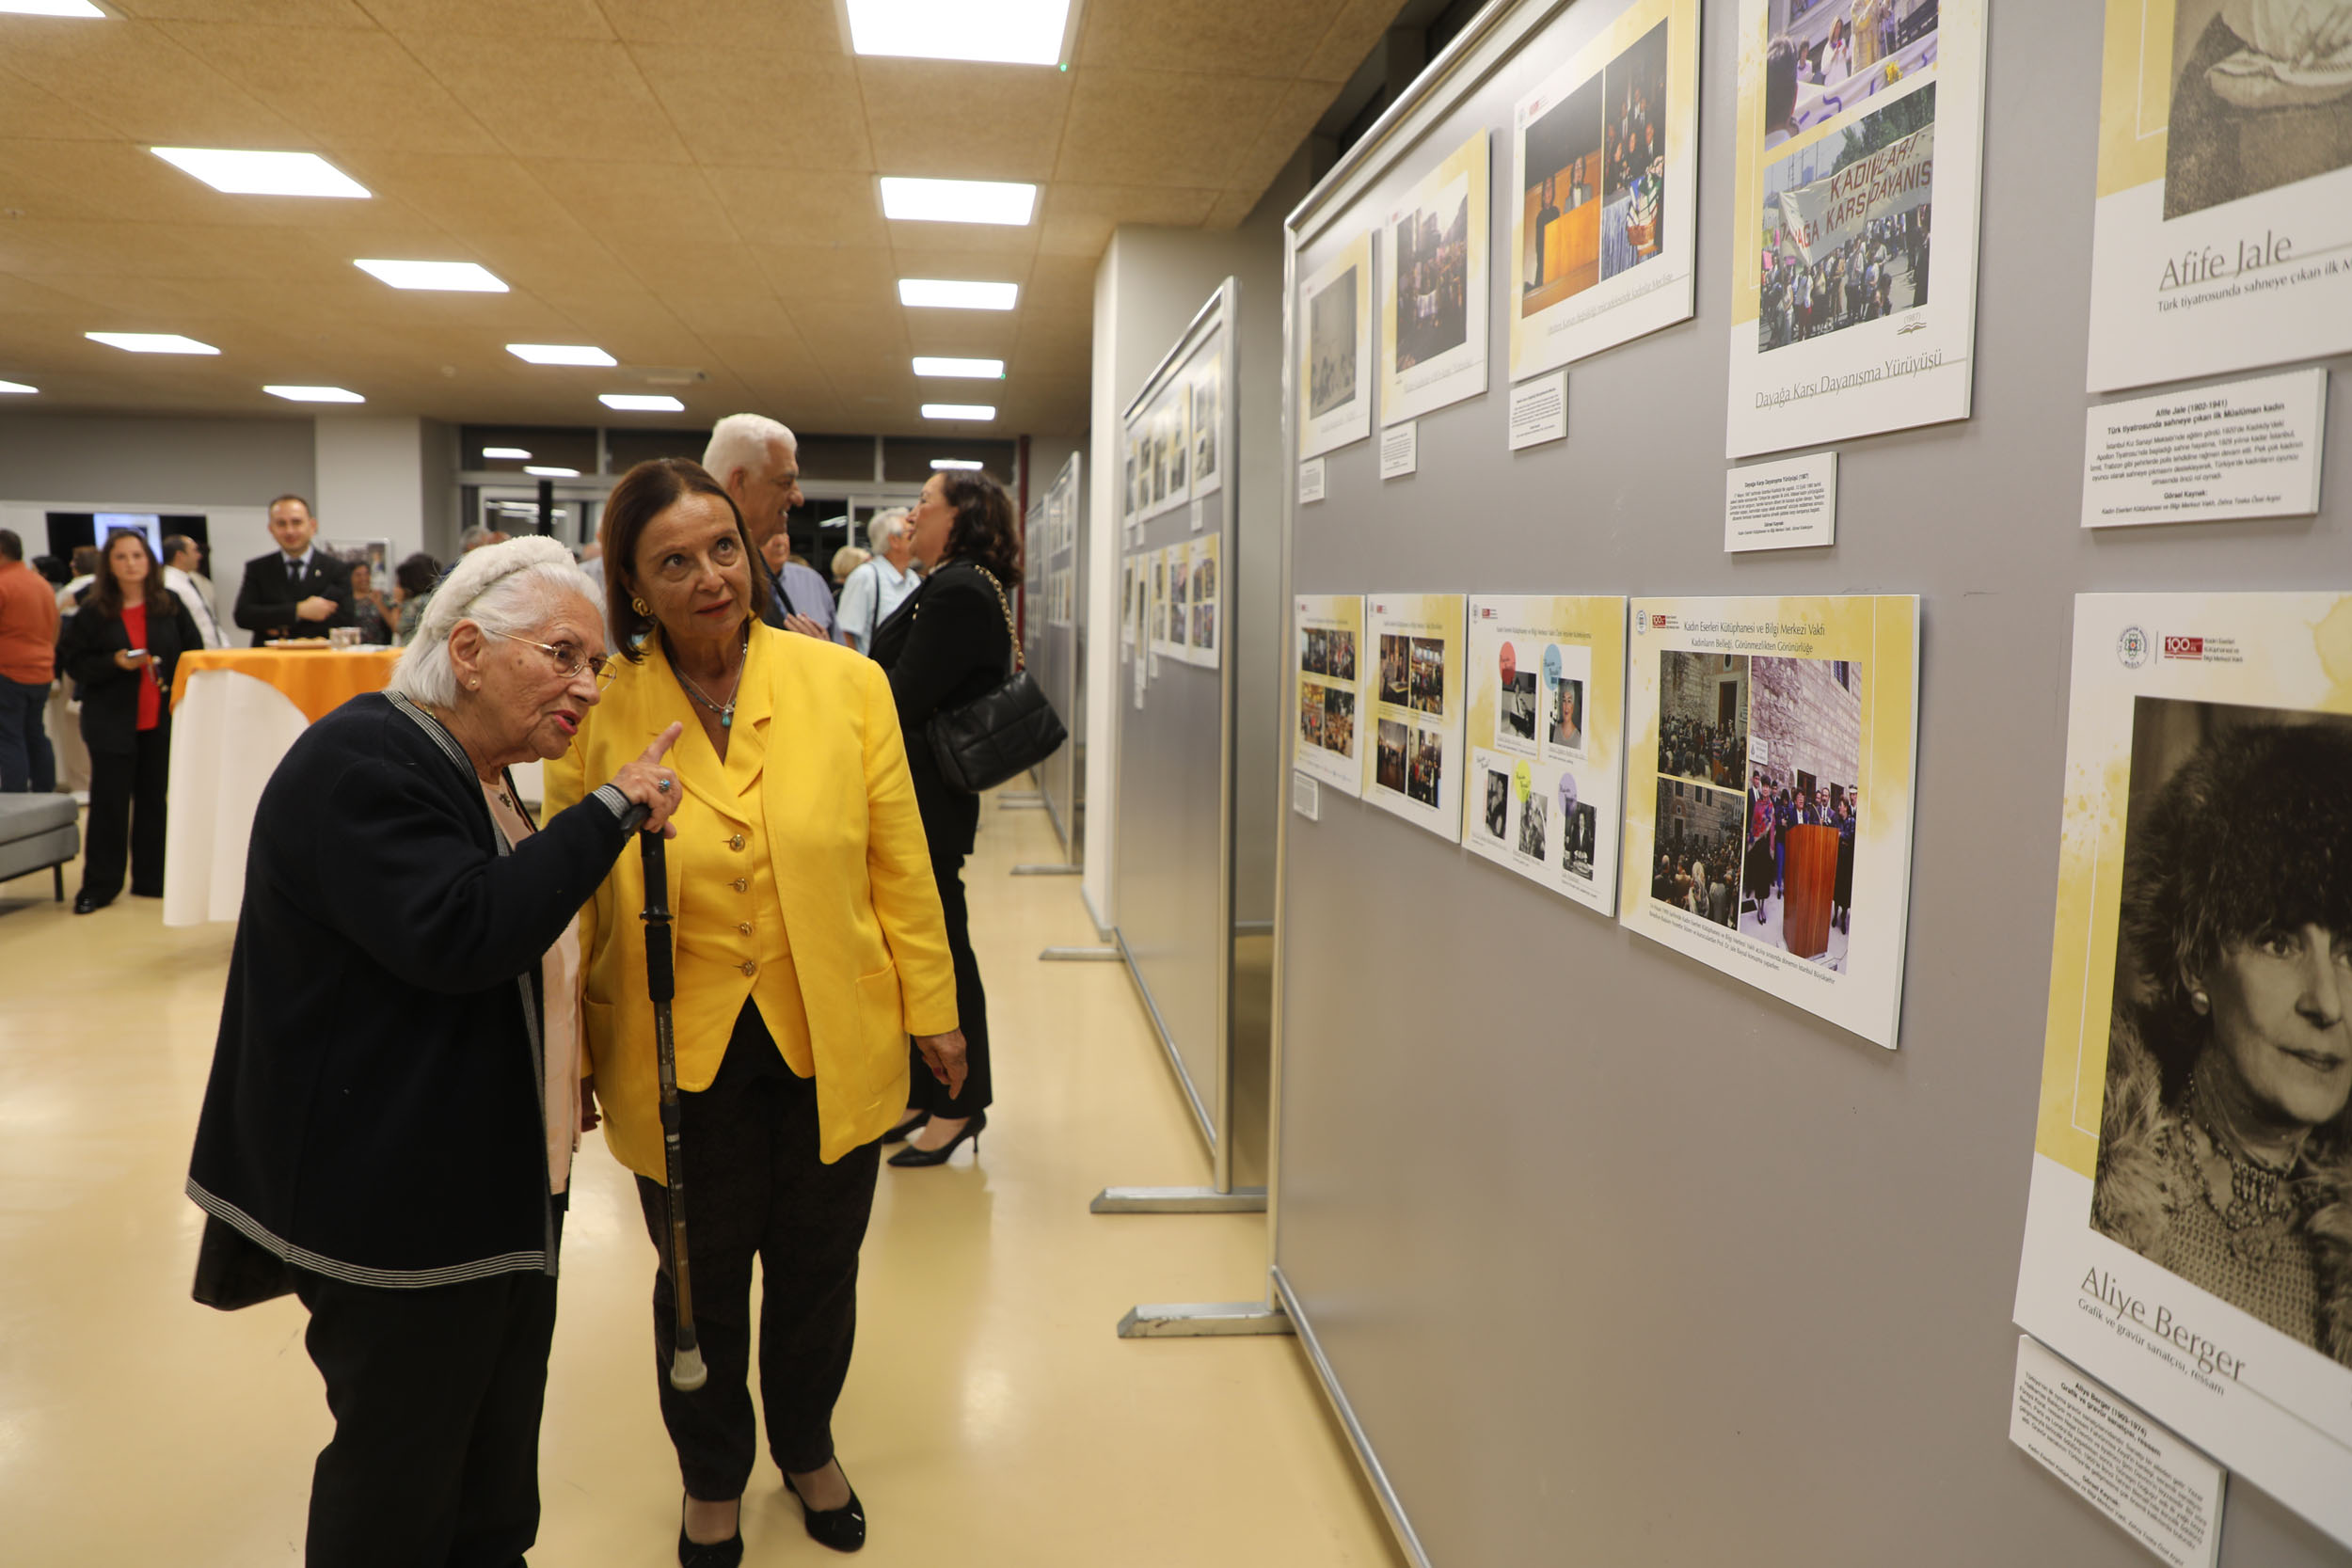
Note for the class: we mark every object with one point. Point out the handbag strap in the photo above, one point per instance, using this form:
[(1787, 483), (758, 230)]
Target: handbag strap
[(1002, 603)]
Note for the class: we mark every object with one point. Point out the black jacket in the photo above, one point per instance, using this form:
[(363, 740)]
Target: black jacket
[(266, 602), (110, 694), (375, 1108), (947, 645)]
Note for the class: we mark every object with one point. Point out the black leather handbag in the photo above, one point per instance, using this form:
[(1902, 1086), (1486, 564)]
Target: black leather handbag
[(1002, 735)]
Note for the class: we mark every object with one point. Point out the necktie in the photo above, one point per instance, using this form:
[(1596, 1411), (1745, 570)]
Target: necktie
[(294, 574)]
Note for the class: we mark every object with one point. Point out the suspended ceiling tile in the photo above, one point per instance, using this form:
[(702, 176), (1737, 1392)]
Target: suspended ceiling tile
[(760, 106), (1294, 118), (793, 208), (1078, 218), (142, 85), (962, 334), (344, 87), (515, 19), (1233, 38), (131, 250), (26, 110), (630, 208), (494, 194), (942, 120), (861, 280), (261, 13), (555, 98), (709, 314), (977, 245), (556, 263), (808, 28), (1143, 128), (1354, 30)]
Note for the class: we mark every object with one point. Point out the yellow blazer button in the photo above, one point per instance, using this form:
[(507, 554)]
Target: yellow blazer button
[(745, 928), (742, 885), (736, 842), (750, 968)]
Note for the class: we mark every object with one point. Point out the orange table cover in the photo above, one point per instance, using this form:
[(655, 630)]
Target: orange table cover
[(316, 680)]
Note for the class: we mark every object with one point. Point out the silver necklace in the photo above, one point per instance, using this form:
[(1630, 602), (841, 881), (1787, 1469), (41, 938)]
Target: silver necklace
[(726, 713)]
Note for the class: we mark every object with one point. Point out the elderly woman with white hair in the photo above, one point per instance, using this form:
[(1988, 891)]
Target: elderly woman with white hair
[(392, 1109)]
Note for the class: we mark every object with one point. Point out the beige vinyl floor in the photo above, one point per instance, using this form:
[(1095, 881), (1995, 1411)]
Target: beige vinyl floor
[(992, 1416)]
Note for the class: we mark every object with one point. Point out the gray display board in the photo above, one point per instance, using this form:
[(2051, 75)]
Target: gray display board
[(1607, 1258), (1056, 606), (1174, 862)]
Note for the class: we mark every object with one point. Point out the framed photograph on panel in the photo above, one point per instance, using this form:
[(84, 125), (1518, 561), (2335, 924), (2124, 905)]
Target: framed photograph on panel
[(1546, 740), (2186, 1234), (1604, 194), (1433, 306), (2225, 188), (1854, 225), (1415, 765), (1335, 352), (1327, 637), (1769, 788), (1207, 384)]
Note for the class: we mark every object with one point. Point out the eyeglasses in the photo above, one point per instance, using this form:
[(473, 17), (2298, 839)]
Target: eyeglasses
[(569, 661)]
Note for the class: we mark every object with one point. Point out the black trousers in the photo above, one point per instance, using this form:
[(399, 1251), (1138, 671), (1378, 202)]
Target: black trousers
[(754, 1188), (437, 1396), (126, 815), (925, 1092)]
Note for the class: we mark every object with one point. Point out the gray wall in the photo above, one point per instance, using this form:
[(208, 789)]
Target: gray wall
[(240, 462), (1616, 1259)]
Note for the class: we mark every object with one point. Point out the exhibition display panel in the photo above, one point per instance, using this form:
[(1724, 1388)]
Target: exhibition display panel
[(1621, 1241), (1055, 603)]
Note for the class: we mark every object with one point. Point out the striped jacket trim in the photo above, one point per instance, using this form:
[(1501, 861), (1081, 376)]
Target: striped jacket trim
[(358, 1274)]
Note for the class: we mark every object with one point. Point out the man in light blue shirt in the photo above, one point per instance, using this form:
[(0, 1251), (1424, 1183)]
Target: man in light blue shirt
[(879, 587)]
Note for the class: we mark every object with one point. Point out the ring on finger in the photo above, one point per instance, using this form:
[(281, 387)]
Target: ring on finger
[(662, 784)]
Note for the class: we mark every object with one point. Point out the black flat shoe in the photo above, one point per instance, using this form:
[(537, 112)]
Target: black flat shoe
[(843, 1529), (83, 903), (911, 1157), (898, 1133), (712, 1554)]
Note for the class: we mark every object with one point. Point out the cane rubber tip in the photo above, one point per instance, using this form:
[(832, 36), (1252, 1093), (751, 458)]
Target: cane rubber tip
[(687, 1372)]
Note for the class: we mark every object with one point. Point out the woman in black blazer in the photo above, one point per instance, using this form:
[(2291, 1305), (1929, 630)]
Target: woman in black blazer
[(121, 648), (948, 645)]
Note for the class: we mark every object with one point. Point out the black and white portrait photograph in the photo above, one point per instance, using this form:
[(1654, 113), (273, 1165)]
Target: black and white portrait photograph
[(1577, 825), (2262, 97), (1565, 722), (1518, 704), (1532, 825), (1498, 802), (2225, 1154)]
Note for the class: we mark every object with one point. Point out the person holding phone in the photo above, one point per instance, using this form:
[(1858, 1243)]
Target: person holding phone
[(121, 648)]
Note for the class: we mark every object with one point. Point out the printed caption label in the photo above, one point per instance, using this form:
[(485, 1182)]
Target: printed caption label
[(1400, 449), (2165, 1493), (1306, 797), (1782, 506), (2250, 449), (1310, 480), (1539, 411)]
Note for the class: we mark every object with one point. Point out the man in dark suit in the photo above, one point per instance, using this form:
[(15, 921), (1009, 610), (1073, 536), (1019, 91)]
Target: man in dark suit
[(297, 591)]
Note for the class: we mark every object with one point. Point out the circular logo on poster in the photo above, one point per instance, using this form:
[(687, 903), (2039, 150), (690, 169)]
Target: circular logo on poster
[(2133, 647)]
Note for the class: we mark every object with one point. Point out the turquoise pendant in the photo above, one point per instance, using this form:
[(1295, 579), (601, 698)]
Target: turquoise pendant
[(727, 719)]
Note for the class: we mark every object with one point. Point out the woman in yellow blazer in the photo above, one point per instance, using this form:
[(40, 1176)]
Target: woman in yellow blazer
[(810, 945)]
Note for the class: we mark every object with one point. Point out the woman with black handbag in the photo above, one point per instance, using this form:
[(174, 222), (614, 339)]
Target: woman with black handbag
[(949, 645)]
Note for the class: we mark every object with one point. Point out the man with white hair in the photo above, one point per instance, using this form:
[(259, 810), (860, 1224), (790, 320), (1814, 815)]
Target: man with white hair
[(757, 462), (882, 585)]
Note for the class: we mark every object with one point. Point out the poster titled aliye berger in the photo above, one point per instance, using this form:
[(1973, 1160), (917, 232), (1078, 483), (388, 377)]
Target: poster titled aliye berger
[(1855, 221), (1769, 794), (2188, 1236), (1326, 631), (1433, 311), (1415, 641), (2224, 231), (1606, 190), (1335, 356), (1547, 733)]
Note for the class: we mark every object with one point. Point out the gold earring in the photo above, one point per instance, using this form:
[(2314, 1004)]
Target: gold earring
[(2200, 1001), (640, 606)]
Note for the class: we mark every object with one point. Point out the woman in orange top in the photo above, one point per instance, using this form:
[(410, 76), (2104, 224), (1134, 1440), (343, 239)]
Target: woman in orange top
[(809, 946), (121, 648)]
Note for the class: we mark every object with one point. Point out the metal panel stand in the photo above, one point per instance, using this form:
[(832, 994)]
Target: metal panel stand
[(1204, 1320), (1178, 1200), (1079, 955), (1048, 870)]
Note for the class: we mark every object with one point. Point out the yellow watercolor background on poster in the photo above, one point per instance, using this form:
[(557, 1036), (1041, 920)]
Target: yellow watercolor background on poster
[(2298, 654), (2135, 90), (1682, 46), (1595, 622)]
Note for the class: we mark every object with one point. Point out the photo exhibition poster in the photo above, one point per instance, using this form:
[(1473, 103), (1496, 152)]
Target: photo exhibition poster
[(1327, 661), (2188, 1237), (1604, 189), (1853, 283), (1546, 740), (2224, 232), (1414, 763), (1206, 380), (1204, 578), (1433, 303), (1769, 746), (1335, 354)]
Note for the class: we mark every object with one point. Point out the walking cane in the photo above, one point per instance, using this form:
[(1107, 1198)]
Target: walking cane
[(687, 1372)]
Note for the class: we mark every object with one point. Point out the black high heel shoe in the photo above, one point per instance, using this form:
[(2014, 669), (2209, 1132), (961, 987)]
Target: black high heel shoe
[(910, 1157), (898, 1133), (712, 1554), (843, 1529)]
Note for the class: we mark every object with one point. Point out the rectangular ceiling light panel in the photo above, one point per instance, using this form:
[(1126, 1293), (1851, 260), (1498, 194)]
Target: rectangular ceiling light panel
[(314, 394), (511, 455), (150, 342), (243, 173), (50, 8), (948, 295), (12, 387), (977, 370), (958, 200), (553, 473), (454, 276), (640, 402), (955, 462), (958, 410), (1001, 32), (561, 354)]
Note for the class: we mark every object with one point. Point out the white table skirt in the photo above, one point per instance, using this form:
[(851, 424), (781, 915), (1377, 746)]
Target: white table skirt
[(228, 735)]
